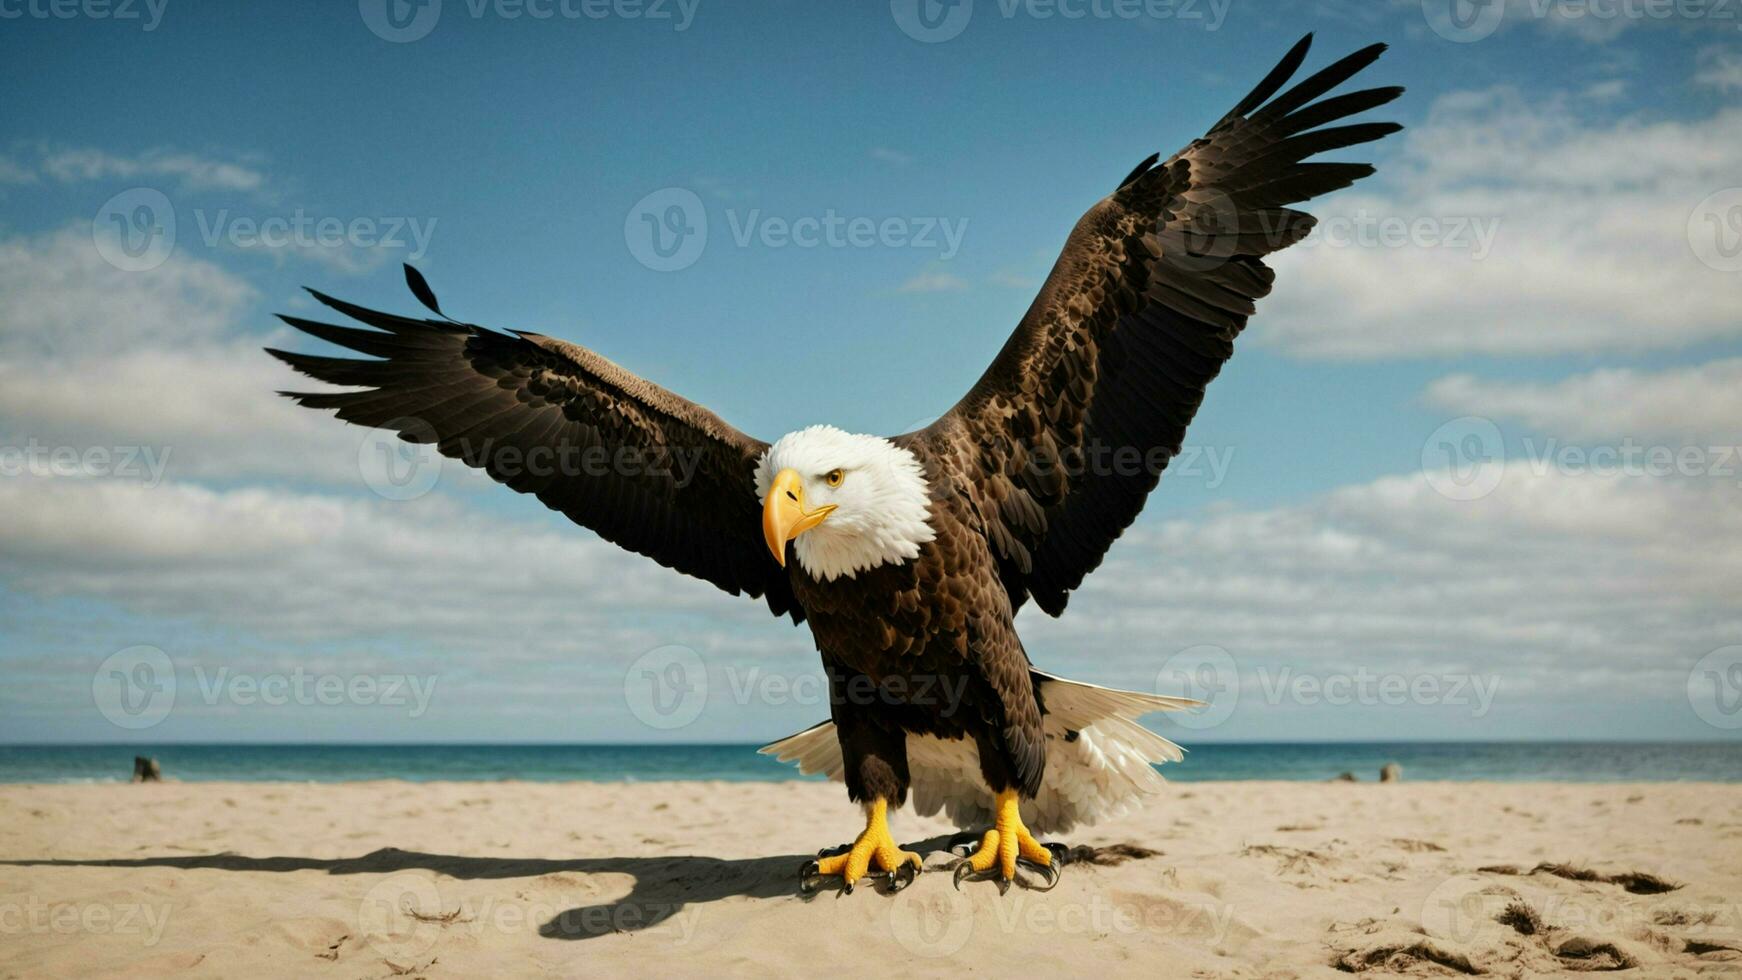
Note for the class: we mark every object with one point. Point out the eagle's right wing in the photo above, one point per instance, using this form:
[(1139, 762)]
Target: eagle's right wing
[(1090, 397), (648, 470)]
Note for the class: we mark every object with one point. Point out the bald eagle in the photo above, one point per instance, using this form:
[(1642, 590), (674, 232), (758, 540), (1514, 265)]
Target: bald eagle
[(910, 556)]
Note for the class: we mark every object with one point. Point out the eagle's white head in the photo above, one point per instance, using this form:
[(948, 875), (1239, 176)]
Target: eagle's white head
[(847, 502)]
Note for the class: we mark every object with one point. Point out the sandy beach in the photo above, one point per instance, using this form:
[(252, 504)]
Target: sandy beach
[(1253, 879)]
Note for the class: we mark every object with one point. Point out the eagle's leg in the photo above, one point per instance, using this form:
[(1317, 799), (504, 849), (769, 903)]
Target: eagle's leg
[(874, 846), (1006, 846)]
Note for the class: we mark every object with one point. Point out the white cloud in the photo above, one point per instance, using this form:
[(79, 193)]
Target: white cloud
[(531, 629), (70, 165), (93, 356), (933, 281), (58, 297), (1590, 248), (1720, 68), (1703, 402), (13, 172), (208, 411), (287, 564), (1564, 588), (1569, 588), (887, 155)]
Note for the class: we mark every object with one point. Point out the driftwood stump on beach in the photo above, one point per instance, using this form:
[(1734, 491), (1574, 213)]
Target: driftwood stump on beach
[(146, 770), (1391, 773)]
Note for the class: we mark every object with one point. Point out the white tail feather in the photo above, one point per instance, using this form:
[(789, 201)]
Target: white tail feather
[(1103, 770)]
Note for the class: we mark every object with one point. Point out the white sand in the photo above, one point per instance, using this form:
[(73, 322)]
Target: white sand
[(512, 879)]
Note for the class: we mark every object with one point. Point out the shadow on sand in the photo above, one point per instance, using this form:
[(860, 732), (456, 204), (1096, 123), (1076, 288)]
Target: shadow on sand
[(664, 886)]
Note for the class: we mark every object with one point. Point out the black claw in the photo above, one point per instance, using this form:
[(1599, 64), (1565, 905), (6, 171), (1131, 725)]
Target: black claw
[(1048, 872), (809, 877), (964, 871), (1060, 853), (903, 876), (846, 888)]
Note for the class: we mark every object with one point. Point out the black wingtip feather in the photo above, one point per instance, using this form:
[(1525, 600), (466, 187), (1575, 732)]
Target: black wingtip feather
[(1339, 106), (1140, 169), (1324, 80), (1283, 71), (420, 288)]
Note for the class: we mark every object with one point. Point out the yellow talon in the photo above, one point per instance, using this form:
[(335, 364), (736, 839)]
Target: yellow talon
[(1004, 844), (873, 846)]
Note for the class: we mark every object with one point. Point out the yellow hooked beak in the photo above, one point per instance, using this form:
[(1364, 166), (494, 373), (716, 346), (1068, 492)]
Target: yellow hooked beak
[(784, 516)]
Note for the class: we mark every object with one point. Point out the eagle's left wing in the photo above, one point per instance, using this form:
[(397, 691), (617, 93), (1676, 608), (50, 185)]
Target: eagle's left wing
[(645, 468), (1101, 378)]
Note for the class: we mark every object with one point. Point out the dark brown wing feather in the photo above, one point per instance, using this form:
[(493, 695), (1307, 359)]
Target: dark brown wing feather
[(646, 469), (1138, 315)]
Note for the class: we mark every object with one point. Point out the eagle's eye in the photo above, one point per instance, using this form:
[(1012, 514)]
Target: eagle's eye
[(834, 477)]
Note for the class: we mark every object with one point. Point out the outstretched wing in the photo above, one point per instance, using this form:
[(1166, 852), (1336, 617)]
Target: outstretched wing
[(646, 469), (1071, 425)]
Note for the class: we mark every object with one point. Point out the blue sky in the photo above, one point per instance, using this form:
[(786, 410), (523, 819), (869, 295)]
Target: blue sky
[(1553, 300)]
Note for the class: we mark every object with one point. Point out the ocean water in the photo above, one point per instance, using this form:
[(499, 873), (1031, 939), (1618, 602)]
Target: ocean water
[(1504, 761)]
